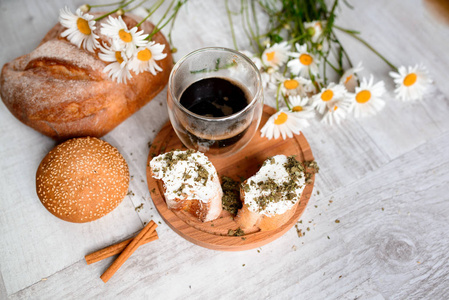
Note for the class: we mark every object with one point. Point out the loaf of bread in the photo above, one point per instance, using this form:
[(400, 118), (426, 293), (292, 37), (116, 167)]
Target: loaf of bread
[(61, 90), (270, 197), (82, 179), (190, 182)]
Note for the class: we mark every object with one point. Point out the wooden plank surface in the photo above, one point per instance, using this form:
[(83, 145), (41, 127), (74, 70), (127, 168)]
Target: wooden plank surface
[(387, 178)]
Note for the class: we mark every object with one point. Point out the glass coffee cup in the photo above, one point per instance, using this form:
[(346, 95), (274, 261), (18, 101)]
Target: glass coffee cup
[(215, 100)]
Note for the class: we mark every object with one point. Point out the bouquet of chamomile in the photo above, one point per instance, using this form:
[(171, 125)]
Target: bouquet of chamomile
[(296, 55)]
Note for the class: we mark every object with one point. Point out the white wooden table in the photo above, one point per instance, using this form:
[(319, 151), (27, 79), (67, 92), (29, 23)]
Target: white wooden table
[(387, 178)]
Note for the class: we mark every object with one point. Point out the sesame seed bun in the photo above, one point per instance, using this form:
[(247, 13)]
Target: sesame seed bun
[(82, 179)]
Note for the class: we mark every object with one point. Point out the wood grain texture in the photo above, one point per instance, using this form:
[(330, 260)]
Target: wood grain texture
[(397, 160), (245, 163)]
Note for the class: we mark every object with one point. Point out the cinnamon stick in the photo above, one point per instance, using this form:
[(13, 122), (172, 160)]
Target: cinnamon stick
[(115, 249), (128, 251)]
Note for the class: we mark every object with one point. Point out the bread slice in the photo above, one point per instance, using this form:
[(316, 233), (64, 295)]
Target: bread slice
[(191, 183), (271, 196)]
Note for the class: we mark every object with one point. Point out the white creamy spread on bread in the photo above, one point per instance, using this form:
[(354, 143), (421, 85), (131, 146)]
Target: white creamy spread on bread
[(187, 175), (276, 187)]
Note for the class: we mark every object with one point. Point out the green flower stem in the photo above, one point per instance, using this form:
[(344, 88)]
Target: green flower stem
[(136, 6), (244, 24), (171, 29), (256, 23), (306, 11), (343, 50), (175, 12), (103, 5), (253, 36), (331, 65), (151, 11), (165, 14), (324, 71), (354, 35), (286, 103), (114, 11), (297, 38), (228, 11), (277, 96)]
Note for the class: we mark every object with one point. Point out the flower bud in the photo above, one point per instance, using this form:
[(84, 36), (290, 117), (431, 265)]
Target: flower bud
[(85, 8), (174, 50), (270, 70), (265, 42), (120, 12), (310, 31)]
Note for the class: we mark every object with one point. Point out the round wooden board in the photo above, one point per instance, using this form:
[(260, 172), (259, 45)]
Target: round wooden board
[(244, 164)]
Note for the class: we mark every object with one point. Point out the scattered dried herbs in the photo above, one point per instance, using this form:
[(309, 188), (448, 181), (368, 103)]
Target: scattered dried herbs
[(275, 192), (237, 232), (203, 174), (311, 168), (139, 208), (231, 195)]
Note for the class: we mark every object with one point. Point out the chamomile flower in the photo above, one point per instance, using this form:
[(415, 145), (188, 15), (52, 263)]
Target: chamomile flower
[(336, 112), (294, 86), (283, 123), (267, 74), (268, 77), (411, 82), (276, 55), (301, 108), (366, 101), (80, 29), (118, 68), (314, 29), (350, 79), (122, 37), (328, 95), (300, 104), (256, 60), (145, 58), (303, 63)]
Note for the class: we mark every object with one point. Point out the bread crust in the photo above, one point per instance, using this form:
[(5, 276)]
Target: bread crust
[(62, 91), (82, 179)]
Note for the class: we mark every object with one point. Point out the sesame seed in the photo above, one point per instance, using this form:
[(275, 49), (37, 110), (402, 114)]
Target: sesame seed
[(82, 174)]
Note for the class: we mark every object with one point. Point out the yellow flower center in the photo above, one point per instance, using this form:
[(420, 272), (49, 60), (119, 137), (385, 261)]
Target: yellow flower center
[(348, 78), (327, 95), (305, 59), (270, 55), (281, 119), (144, 55), (125, 36), (83, 26), (291, 84), (363, 96), (118, 57), (297, 108), (410, 79)]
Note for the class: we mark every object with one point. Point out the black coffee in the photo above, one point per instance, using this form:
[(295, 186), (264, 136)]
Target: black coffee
[(214, 97)]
